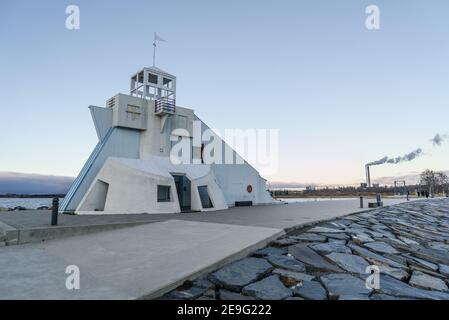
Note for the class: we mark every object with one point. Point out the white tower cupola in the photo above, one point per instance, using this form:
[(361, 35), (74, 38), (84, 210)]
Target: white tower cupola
[(155, 84)]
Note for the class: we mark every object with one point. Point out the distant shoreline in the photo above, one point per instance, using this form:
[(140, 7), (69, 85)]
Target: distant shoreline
[(24, 196)]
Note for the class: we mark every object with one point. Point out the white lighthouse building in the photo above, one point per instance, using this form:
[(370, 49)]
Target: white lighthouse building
[(131, 170)]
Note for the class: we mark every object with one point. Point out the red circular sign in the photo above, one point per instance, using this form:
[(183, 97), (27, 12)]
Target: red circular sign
[(249, 188)]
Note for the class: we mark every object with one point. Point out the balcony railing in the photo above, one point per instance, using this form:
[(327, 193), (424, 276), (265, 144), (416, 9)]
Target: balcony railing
[(165, 105)]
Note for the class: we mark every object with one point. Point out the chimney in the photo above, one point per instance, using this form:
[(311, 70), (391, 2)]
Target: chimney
[(368, 178)]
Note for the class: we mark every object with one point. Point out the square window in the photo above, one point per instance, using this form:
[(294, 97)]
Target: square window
[(152, 78), (163, 193)]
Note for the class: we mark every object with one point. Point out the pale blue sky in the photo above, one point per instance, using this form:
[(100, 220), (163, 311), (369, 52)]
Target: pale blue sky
[(340, 94)]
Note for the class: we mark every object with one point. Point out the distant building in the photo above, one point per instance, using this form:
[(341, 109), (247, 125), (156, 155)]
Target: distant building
[(363, 185), (310, 188), (375, 185)]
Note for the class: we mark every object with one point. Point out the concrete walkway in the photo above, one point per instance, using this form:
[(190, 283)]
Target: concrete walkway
[(144, 261), (34, 226), (151, 259), (284, 216)]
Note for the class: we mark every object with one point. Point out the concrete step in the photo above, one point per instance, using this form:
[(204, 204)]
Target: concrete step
[(8, 235)]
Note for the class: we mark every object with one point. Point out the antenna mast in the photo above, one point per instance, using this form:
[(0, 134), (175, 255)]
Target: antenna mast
[(154, 50), (156, 38)]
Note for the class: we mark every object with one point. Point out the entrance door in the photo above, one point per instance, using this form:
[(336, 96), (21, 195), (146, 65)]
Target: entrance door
[(183, 189)]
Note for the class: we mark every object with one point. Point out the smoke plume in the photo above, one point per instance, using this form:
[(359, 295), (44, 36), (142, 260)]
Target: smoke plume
[(407, 157), (438, 139)]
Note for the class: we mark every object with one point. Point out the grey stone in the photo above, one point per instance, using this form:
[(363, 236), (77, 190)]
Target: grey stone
[(238, 274), (342, 284), (443, 269), (394, 287), (407, 240), (338, 236), (381, 247), (375, 258), (393, 241), (326, 230), (284, 242), (349, 262), (358, 230), (188, 294), (270, 251), (353, 297), (202, 283), (326, 248), (209, 293), (427, 271), (303, 253), (294, 298), (422, 263), (432, 255), (380, 296), (397, 273), (388, 235), (379, 227), (286, 262), (397, 258), (311, 237), (424, 281), (292, 274), (337, 225), (338, 241), (311, 290), (361, 238), (344, 222), (352, 218), (270, 288), (229, 295), (358, 226), (438, 245), (375, 234), (333, 225)]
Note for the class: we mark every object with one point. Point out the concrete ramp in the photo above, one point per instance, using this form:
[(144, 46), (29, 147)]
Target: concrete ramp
[(139, 262)]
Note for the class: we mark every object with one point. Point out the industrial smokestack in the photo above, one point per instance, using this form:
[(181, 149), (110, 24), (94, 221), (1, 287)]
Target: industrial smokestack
[(368, 177), (407, 157)]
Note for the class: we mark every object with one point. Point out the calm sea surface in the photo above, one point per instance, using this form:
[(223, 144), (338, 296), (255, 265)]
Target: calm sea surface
[(29, 203)]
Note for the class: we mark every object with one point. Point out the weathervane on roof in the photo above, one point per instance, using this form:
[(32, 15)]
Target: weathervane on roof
[(156, 38)]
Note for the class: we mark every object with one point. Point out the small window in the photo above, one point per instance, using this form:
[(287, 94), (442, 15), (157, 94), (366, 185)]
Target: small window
[(204, 197), (152, 78), (168, 83), (133, 109), (163, 193)]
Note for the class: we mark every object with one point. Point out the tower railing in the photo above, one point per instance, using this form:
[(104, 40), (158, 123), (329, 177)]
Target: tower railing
[(165, 105)]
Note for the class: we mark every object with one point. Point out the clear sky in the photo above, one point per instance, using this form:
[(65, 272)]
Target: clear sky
[(341, 95)]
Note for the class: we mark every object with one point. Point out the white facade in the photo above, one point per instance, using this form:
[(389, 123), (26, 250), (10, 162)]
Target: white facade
[(130, 170)]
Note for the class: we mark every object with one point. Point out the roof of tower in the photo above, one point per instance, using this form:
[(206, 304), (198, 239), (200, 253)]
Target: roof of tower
[(160, 71)]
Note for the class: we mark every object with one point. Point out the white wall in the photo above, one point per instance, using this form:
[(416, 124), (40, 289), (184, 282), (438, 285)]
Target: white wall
[(133, 190)]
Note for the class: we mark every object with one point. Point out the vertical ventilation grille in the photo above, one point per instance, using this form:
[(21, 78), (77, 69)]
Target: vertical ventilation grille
[(110, 103)]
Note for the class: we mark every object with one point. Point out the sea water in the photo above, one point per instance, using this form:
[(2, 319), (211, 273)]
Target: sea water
[(29, 203)]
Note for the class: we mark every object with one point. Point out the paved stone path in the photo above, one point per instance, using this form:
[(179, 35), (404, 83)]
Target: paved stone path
[(408, 242)]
